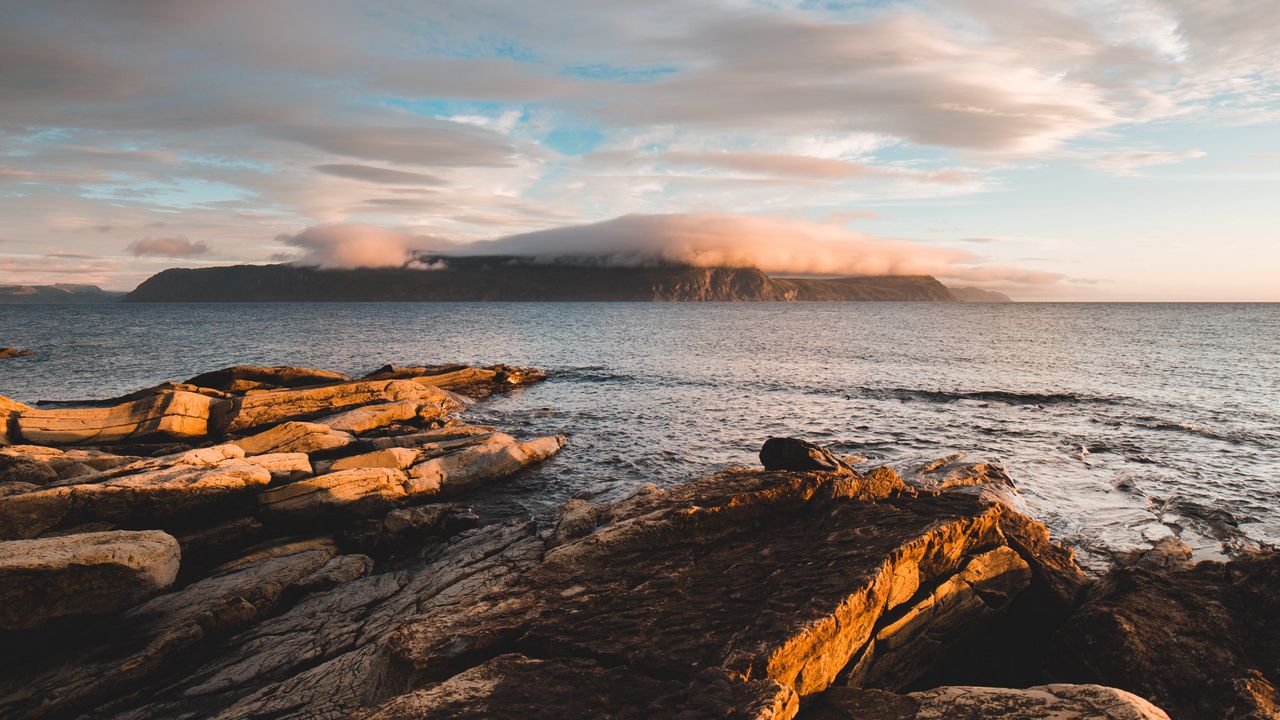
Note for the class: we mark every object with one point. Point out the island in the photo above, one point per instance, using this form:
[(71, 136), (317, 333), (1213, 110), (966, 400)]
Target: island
[(504, 278), (289, 542)]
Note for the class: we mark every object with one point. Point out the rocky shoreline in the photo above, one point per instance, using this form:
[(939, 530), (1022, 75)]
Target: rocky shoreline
[(294, 543)]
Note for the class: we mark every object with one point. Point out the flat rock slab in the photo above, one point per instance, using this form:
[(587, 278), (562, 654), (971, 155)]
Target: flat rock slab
[(171, 414), (258, 409), (84, 574), (1043, 702)]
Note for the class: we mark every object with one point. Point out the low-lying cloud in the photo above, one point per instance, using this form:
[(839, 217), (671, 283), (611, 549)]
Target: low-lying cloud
[(780, 246), (170, 247), (353, 245)]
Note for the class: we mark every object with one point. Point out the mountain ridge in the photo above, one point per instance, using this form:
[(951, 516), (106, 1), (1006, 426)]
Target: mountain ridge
[(500, 278)]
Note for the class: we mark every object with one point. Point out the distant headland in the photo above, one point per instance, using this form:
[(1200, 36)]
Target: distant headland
[(507, 278)]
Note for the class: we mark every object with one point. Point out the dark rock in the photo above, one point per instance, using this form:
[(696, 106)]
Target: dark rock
[(1059, 702), (240, 378), (800, 455), (82, 574), (1201, 642)]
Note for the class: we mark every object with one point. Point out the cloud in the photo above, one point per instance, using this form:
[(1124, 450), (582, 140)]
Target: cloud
[(776, 245), (379, 175), (429, 141), (356, 245), (170, 247), (807, 167), (1129, 163)]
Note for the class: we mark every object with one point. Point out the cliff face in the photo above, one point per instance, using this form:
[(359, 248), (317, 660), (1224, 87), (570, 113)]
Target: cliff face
[(504, 279)]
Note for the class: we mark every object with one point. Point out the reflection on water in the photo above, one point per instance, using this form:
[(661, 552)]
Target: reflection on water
[(1121, 423)]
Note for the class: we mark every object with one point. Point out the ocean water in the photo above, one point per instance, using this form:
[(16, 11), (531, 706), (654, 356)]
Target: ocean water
[(1120, 424)]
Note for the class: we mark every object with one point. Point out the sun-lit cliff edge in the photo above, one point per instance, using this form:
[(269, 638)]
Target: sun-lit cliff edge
[(506, 278)]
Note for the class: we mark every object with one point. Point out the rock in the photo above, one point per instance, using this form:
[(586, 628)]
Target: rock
[(398, 458), (258, 409), (496, 455), (294, 437), (16, 468), (515, 686), (11, 352), (242, 377), (15, 488), (162, 635), (85, 574), (1060, 702), (360, 492), (409, 527), (168, 414), (371, 417), (906, 648), (800, 455), (9, 411), (283, 466), (438, 438), (950, 472), (1201, 642), (470, 381), (577, 519), (165, 496)]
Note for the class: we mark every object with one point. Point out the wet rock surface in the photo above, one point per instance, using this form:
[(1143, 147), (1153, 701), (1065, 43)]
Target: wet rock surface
[(330, 569)]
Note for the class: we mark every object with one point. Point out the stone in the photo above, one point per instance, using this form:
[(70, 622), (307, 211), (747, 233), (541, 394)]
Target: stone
[(258, 409), (951, 472), (1057, 701), (169, 414), (473, 382), (294, 437), (371, 417), (800, 455), (163, 496), (515, 686), (240, 377), (497, 455), (161, 635), (410, 527), (395, 457), (84, 574), (9, 411), (12, 352), (285, 466), (1201, 642), (578, 518), (16, 468), (359, 492), (437, 438)]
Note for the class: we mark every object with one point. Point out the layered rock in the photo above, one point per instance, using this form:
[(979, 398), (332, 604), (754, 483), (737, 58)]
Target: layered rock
[(1202, 642), (173, 414), (83, 574), (1057, 701)]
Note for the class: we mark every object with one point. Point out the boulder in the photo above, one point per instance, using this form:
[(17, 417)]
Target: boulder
[(84, 574), (244, 377), (258, 409), (371, 417), (358, 491), (283, 466), (436, 438), (1059, 702), (172, 414), (294, 437), (12, 352), (496, 455), (474, 382), (399, 458), (1201, 642), (172, 495), (951, 472), (800, 455)]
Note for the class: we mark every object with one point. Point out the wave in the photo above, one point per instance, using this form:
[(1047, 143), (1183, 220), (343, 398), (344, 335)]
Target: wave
[(1008, 397)]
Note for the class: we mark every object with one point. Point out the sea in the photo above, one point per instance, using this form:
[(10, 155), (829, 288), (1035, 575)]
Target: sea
[(1121, 424)]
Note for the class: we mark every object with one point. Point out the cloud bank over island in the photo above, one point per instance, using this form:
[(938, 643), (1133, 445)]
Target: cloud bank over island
[(776, 245), (1087, 136)]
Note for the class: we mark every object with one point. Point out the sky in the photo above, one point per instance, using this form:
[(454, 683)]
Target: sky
[(1088, 150)]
